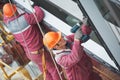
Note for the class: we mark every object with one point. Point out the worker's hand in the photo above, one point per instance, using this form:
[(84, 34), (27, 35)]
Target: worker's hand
[(86, 30), (78, 34), (83, 33)]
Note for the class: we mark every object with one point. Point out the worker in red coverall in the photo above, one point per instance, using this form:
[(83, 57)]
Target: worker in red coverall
[(27, 33), (69, 54)]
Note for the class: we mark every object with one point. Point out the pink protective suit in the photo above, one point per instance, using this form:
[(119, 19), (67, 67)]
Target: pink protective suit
[(27, 33), (76, 63)]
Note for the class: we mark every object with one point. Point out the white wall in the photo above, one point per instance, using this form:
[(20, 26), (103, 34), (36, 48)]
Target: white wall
[(69, 6)]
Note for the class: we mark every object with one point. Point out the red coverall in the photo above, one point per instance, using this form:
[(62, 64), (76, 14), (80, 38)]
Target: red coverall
[(76, 63), (24, 25)]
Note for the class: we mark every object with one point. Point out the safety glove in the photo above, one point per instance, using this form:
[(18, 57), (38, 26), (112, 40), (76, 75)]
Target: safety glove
[(75, 27), (78, 34), (83, 33)]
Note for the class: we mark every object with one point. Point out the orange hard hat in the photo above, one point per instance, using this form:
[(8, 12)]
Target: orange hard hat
[(51, 39), (9, 9)]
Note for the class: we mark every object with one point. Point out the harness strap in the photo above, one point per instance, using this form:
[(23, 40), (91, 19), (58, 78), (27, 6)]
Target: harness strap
[(44, 65)]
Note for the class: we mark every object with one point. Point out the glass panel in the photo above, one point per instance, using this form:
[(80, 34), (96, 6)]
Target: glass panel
[(106, 12), (59, 12)]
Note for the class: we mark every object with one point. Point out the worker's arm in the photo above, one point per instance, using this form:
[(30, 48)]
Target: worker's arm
[(30, 18), (73, 57), (77, 51), (70, 38)]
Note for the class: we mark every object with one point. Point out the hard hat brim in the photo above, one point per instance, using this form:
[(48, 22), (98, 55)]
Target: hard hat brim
[(59, 37)]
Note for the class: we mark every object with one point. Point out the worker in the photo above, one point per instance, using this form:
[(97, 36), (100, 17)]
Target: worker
[(69, 53), (26, 31)]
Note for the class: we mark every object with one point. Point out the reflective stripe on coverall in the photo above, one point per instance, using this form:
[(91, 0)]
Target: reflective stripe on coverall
[(76, 63), (26, 24)]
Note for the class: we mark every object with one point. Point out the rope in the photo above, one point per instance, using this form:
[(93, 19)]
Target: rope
[(5, 63), (47, 47), (21, 35), (44, 65), (18, 25), (42, 35)]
